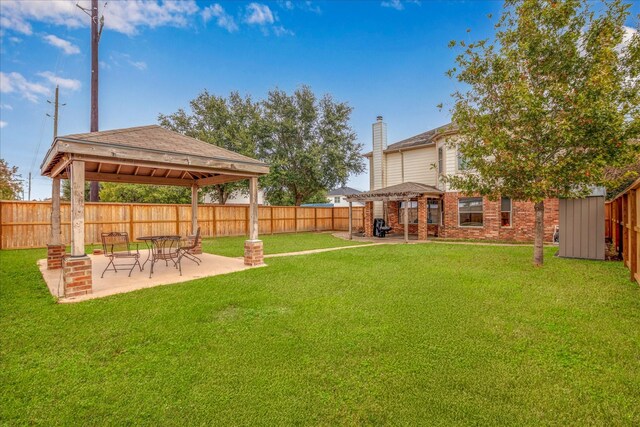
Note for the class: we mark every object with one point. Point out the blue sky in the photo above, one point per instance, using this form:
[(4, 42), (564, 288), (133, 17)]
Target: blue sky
[(382, 57)]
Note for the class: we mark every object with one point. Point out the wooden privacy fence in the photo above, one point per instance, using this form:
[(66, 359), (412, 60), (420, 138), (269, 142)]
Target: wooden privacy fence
[(28, 224), (622, 226)]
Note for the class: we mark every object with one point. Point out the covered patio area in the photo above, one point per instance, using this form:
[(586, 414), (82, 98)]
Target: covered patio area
[(117, 283), (140, 155), (410, 209)]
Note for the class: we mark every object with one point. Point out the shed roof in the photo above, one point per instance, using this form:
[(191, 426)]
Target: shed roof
[(149, 154), (396, 192)]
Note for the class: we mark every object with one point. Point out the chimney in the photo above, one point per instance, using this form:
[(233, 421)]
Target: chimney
[(379, 129)]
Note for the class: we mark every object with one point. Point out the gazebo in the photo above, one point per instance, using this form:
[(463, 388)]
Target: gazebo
[(393, 196), (142, 155)]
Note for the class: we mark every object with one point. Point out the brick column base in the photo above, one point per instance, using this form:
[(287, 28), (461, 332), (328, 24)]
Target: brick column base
[(76, 275), (253, 254), (55, 255)]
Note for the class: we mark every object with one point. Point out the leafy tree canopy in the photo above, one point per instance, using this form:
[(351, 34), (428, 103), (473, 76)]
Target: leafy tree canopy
[(310, 146), (549, 103), (234, 123), (136, 193), (10, 182)]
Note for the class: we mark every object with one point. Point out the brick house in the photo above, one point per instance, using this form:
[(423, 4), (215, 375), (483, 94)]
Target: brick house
[(409, 174)]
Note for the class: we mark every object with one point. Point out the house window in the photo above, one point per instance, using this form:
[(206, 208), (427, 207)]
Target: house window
[(336, 199), (440, 160), (505, 212), (470, 212), (433, 211), (413, 212), (463, 164)]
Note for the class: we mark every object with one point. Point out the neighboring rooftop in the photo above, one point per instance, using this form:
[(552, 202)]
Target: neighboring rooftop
[(343, 191), (421, 140)]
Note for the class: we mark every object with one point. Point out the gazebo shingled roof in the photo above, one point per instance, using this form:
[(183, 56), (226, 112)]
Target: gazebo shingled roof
[(148, 155)]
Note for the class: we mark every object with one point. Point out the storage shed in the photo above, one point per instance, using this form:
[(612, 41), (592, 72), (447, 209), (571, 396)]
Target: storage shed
[(582, 226)]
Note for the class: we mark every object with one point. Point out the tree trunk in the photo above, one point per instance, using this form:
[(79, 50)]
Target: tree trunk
[(538, 245)]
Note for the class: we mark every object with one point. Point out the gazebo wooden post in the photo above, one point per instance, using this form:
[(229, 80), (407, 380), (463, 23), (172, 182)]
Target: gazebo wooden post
[(55, 248), (406, 220), (194, 218), (350, 221), (76, 270), (253, 249)]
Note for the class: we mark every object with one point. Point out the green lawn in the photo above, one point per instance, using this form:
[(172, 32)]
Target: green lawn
[(275, 243), (399, 334)]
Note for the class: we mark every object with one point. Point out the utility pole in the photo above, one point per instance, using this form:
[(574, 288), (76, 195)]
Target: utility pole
[(96, 30), (55, 186), (29, 187)]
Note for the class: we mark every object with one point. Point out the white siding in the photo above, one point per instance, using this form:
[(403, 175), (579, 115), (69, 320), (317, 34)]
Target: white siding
[(418, 166), (394, 169)]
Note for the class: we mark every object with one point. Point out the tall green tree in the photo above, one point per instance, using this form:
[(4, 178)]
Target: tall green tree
[(234, 123), (310, 146), (548, 103), (10, 182), (137, 193)]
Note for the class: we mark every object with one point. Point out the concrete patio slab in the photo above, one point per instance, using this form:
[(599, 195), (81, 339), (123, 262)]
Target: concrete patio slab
[(118, 283)]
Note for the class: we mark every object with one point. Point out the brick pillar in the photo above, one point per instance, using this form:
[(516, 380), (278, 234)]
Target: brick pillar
[(423, 228), (76, 275), (368, 219), (55, 255), (253, 253)]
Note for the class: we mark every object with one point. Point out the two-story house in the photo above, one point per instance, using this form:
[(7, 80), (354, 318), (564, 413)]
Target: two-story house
[(409, 173)]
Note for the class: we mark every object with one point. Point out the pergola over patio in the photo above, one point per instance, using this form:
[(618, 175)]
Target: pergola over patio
[(404, 192), (141, 155)]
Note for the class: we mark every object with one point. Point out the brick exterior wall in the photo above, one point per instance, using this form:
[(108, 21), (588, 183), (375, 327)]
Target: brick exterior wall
[(76, 275), (253, 252), (522, 221), (55, 255)]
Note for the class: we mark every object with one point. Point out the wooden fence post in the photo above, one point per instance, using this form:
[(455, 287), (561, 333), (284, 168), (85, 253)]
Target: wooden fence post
[(214, 225), (295, 217), (177, 219), (315, 219), (131, 222), (271, 216)]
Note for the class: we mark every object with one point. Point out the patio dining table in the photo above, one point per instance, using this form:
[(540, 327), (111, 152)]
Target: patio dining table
[(161, 248)]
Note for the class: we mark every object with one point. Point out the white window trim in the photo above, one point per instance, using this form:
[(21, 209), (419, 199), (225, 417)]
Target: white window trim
[(510, 213)]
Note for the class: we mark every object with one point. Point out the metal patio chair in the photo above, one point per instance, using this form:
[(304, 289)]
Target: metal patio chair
[(116, 247), (186, 250)]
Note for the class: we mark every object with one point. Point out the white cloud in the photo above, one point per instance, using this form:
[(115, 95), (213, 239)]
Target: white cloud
[(126, 17), (394, 4), (140, 65), (279, 30), (67, 47), (398, 4), (307, 6), (68, 84), (16, 83), (119, 59), (223, 19), (3, 124), (6, 107), (259, 14), (628, 34)]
